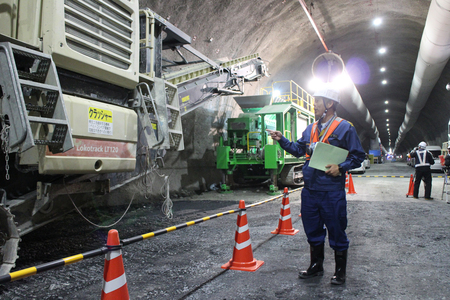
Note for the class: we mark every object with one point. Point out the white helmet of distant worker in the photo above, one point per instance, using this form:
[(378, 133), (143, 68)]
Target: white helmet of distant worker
[(422, 145), (328, 92)]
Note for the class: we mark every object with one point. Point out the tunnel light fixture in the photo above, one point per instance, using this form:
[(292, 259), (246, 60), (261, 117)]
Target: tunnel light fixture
[(387, 120), (314, 84), (342, 80), (387, 125), (386, 102), (382, 50), (377, 21), (384, 81), (386, 111), (339, 82), (382, 69), (276, 93)]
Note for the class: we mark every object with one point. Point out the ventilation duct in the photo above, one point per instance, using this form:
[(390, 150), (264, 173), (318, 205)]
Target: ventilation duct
[(434, 54)]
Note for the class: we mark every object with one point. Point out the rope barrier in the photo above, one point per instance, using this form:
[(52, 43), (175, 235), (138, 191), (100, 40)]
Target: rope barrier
[(52, 265), (101, 251)]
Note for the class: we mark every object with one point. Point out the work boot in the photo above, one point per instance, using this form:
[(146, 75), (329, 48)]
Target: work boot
[(341, 265), (316, 266)]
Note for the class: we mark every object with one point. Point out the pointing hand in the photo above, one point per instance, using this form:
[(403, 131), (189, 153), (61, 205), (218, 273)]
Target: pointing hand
[(274, 134)]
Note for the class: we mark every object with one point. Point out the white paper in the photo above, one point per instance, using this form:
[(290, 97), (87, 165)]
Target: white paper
[(325, 154)]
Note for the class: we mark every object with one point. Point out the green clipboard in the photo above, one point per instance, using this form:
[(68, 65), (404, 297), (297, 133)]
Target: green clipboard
[(326, 154)]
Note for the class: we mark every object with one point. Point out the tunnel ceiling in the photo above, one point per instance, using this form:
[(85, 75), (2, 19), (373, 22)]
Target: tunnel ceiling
[(284, 37)]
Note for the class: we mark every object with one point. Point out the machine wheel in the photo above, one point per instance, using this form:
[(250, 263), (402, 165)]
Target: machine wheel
[(292, 175), (9, 240)]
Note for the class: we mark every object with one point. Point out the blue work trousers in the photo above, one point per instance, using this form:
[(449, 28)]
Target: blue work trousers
[(320, 209)]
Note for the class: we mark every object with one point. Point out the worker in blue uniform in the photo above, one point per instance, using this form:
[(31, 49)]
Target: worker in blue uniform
[(324, 201), (423, 159)]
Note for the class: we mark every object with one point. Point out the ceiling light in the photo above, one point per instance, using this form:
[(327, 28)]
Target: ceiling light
[(387, 120), (384, 81), (342, 80), (387, 110), (382, 50), (314, 84), (377, 21), (382, 69), (386, 102), (387, 124), (276, 93)]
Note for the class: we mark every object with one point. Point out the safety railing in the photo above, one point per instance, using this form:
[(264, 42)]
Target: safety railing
[(288, 135), (288, 90)]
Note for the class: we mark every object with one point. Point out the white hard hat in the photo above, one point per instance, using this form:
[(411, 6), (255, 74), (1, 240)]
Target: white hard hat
[(422, 145), (327, 92)]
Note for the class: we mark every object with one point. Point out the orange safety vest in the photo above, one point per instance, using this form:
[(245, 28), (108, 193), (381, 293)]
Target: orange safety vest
[(315, 137)]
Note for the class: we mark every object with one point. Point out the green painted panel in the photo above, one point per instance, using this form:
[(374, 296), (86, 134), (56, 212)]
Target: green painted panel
[(223, 154), (270, 157)]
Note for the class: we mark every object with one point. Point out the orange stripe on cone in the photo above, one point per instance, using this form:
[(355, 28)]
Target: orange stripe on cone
[(285, 221), (242, 253), (411, 187), (114, 280), (351, 188)]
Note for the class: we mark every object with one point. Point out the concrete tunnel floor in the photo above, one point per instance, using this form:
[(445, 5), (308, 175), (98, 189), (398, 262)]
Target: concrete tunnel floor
[(399, 249)]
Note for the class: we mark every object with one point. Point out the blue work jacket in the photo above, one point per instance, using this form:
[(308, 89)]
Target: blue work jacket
[(344, 136)]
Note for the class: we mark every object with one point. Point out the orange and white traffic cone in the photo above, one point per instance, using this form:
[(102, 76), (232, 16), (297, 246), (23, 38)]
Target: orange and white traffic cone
[(411, 186), (351, 188), (114, 280), (242, 253), (285, 221), (346, 180)]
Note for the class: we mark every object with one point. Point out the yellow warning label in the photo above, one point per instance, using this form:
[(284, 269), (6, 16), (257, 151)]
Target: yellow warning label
[(99, 114), (184, 99), (154, 126), (100, 121)]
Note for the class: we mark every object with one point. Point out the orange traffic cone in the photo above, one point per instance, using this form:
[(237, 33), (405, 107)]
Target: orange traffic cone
[(346, 180), (411, 186), (285, 222), (351, 188), (114, 280), (242, 253)]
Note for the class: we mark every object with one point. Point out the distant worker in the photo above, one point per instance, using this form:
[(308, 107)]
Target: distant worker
[(423, 160), (446, 169), (323, 196), (447, 159)]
